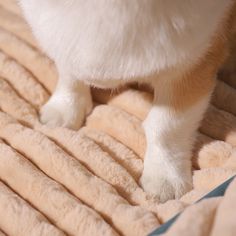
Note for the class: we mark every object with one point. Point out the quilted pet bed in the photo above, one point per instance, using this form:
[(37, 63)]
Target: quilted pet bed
[(64, 182)]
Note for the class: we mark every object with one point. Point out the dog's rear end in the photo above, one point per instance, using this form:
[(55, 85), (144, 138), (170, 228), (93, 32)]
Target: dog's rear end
[(176, 46)]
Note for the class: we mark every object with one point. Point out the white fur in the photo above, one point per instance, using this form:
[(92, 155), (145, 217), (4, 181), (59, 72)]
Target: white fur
[(120, 39), (69, 104), (170, 135), (110, 42)]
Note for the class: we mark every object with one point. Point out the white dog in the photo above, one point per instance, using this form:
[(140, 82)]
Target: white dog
[(176, 46)]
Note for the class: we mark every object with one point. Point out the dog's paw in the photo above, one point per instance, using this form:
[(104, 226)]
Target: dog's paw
[(58, 112), (158, 183)]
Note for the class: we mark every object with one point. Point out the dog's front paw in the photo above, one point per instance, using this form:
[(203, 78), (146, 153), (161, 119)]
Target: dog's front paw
[(61, 112), (157, 182)]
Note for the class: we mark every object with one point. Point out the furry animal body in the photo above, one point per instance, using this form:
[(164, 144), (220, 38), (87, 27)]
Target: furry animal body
[(175, 46)]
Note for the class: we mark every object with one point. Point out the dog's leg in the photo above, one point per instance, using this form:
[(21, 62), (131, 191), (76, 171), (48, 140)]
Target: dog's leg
[(68, 105), (170, 129)]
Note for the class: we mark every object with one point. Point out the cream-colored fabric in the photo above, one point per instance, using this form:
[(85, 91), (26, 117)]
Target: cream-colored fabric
[(64, 182)]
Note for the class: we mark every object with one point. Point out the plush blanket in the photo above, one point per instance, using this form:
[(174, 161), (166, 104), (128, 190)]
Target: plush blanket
[(64, 182)]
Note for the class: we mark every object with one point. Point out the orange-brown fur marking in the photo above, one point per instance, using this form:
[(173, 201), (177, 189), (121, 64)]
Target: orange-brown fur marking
[(200, 80)]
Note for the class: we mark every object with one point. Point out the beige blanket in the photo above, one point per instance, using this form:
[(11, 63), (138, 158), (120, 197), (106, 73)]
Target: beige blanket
[(64, 182)]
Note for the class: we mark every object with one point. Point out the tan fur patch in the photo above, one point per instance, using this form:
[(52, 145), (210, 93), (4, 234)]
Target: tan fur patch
[(200, 80)]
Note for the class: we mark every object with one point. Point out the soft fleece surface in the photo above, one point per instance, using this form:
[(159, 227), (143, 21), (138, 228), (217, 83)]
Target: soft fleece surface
[(64, 182)]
